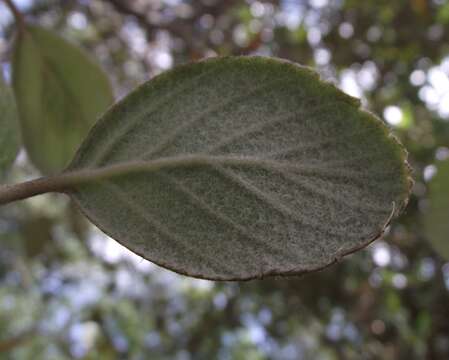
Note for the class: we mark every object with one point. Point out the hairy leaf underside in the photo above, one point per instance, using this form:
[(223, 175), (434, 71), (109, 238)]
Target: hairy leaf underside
[(248, 167)]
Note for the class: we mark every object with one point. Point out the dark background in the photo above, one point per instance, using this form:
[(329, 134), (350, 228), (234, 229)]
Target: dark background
[(67, 291)]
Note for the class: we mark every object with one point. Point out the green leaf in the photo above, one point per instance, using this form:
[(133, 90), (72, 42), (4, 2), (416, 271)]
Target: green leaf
[(436, 218), (241, 167), (60, 93), (9, 125)]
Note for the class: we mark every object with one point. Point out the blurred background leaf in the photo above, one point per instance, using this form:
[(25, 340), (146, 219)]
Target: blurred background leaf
[(9, 125), (437, 216), (60, 94)]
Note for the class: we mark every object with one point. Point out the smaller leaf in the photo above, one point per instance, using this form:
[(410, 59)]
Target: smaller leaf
[(60, 93), (9, 134), (437, 217)]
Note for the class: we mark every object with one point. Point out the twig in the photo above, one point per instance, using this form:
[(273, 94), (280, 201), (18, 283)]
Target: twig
[(16, 13), (18, 340)]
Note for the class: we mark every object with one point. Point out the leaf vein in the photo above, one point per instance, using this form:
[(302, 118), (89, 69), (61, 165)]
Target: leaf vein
[(171, 136), (329, 195), (263, 124), (225, 219), (126, 127), (274, 203), (159, 227)]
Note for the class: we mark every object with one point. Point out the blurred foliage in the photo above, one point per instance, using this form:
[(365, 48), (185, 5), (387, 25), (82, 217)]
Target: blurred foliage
[(9, 139), (436, 216), (69, 292)]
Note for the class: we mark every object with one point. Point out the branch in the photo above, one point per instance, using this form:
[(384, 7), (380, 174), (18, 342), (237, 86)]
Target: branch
[(18, 340), (10, 193), (16, 13)]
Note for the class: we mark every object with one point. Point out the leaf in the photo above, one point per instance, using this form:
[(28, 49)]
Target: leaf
[(9, 133), (60, 93), (241, 167), (436, 218)]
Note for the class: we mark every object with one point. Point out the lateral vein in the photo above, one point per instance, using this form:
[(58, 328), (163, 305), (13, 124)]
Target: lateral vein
[(223, 218), (127, 126), (146, 215), (169, 138)]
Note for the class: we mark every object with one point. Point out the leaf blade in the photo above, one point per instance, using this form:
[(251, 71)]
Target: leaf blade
[(436, 217), (258, 197), (60, 93), (9, 134)]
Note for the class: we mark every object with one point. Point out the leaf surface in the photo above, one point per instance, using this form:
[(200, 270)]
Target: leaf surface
[(241, 167), (60, 93), (437, 217), (9, 127)]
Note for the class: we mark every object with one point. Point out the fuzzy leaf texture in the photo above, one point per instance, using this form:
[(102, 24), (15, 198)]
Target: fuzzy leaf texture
[(437, 217), (60, 93), (241, 167), (9, 127)]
